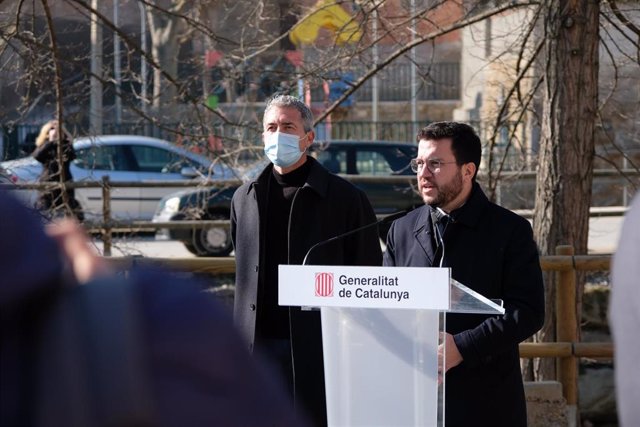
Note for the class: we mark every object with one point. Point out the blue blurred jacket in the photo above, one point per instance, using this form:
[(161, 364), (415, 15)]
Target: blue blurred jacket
[(198, 371)]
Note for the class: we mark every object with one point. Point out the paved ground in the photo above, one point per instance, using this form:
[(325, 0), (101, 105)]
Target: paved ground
[(603, 239), (146, 246), (604, 233)]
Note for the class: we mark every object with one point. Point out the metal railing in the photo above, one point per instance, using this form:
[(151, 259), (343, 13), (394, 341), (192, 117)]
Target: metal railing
[(439, 81)]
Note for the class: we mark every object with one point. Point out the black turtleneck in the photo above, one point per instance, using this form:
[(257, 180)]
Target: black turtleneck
[(273, 321)]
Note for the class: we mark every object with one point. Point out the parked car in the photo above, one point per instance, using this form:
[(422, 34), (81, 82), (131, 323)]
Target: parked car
[(361, 158), (125, 158)]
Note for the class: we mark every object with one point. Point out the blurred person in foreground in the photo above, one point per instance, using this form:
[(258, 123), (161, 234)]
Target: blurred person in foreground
[(489, 249), (195, 370), (292, 205), (54, 202), (624, 315)]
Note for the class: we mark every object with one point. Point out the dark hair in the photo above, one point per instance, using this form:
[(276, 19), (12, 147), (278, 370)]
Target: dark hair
[(465, 143)]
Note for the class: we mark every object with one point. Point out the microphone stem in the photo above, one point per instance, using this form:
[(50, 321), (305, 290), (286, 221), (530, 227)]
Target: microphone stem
[(386, 219), (334, 238)]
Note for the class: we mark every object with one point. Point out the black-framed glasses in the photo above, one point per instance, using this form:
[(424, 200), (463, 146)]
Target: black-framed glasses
[(433, 165)]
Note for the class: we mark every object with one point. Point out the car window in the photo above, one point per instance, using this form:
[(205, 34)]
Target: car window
[(104, 157), (372, 163), (334, 160), (385, 161), (399, 159), (153, 159)]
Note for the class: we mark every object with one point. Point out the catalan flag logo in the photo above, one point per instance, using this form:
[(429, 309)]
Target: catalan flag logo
[(324, 284)]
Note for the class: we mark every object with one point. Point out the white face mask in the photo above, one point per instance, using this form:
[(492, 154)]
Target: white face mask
[(283, 149)]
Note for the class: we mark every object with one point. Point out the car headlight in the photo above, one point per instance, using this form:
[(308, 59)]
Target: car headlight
[(171, 206)]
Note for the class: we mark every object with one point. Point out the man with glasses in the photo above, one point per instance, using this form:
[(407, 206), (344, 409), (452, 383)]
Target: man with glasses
[(489, 249)]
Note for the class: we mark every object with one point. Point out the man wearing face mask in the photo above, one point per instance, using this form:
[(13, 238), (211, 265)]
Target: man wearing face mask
[(275, 219)]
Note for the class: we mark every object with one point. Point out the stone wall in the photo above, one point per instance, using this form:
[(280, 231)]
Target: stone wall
[(545, 405)]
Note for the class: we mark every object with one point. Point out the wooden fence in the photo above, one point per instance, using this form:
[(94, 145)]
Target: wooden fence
[(567, 349)]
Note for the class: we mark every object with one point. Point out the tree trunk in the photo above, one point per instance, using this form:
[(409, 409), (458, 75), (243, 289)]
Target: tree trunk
[(165, 53), (565, 171), (165, 30)]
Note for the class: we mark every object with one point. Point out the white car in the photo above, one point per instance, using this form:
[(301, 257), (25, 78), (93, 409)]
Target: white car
[(125, 158)]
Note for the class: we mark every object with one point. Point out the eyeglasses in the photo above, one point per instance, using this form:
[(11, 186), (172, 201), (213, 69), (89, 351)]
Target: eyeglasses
[(433, 165)]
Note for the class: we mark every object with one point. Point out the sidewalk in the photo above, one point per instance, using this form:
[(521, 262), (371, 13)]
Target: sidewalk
[(604, 233)]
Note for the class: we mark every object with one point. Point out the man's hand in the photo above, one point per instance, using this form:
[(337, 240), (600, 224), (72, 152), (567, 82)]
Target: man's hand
[(74, 244), (453, 356)]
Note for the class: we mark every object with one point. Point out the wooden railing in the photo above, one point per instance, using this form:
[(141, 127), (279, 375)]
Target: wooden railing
[(567, 348)]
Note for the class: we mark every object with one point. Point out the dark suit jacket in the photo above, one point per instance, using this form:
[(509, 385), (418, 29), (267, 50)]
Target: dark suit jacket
[(492, 251)]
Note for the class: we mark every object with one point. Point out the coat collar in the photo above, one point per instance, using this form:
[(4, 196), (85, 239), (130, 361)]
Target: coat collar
[(469, 215), (423, 232), (316, 181)]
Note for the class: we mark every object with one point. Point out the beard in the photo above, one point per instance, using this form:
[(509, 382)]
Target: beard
[(445, 192)]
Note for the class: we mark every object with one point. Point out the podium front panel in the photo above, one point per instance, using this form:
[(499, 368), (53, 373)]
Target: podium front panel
[(381, 366)]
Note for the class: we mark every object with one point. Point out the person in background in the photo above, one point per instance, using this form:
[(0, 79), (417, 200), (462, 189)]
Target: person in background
[(56, 202), (275, 219), (489, 249), (194, 369), (624, 315)]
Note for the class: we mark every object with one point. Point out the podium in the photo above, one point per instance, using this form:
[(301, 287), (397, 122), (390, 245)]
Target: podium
[(381, 329)]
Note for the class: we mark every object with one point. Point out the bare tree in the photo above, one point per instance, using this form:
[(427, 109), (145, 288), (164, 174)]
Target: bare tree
[(166, 27), (567, 143)]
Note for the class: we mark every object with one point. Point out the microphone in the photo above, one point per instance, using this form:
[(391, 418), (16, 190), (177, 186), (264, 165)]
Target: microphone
[(440, 220), (438, 215), (386, 220)]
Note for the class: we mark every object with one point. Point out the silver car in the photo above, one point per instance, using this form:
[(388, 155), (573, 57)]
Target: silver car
[(125, 158)]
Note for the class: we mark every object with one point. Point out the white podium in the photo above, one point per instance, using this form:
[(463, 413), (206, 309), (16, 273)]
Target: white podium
[(381, 329)]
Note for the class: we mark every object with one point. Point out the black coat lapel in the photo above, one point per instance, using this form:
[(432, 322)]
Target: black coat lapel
[(423, 232)]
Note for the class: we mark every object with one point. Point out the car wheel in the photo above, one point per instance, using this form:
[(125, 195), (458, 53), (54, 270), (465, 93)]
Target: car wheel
[(190, 248), (212, 241)]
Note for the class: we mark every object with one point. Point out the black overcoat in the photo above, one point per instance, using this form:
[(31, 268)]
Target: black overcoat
[(324, 207), (492, 251), (47, 154)]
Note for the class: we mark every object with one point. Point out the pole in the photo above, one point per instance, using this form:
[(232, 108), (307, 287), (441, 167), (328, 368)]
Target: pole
[(107, 232), (567, 331), (117, 66), (95, 84), (414, 82), (143, 63), (374, 79)]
